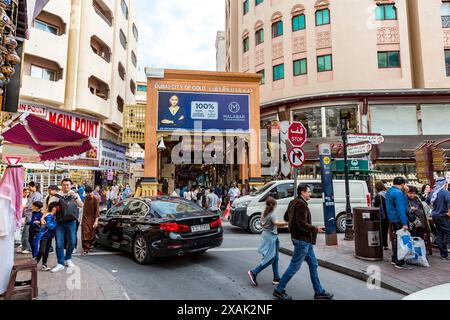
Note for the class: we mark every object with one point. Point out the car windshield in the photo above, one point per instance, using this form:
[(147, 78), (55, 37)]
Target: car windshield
[(263, 189), (174, 207)]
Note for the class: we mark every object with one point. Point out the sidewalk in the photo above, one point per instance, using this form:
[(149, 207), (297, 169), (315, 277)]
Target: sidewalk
[(342, 259), (85, 281)]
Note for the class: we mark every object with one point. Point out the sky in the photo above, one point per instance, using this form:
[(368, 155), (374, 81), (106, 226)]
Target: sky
[(179, 33)]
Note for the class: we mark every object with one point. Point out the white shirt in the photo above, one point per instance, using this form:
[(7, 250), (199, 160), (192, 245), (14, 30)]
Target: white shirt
[(234, 193), (188, 195)]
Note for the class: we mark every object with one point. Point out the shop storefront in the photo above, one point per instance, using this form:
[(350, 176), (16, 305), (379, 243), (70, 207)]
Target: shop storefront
[(113, 164)]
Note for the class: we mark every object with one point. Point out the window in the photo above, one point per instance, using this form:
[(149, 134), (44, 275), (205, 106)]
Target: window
[(300, 67), (278, 72), (435, 119), (263, 79), (277, 29), (258, 2), (447, 62), (141, 88), (174, 207), (385, 120), (120, 104), (122, 71), (133, 59), (246, 5), (43, 73), (298, 22), (445, 14), (118, 209), (389, 59), (316, 190), (124, 9), (135, 32), (123, 39), (386, 12), (322, 17), (324, 63), (312, 120), (333, 124), (138, 208), (283, 191), (103, 11), (40, 25), (133, 87), (246, 44), (259, 36)]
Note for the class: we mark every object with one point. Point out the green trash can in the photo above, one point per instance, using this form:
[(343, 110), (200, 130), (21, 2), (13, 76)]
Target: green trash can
[(367, 227)]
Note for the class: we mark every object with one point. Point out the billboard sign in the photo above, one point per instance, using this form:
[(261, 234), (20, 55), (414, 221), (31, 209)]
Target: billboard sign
[(199, 112)]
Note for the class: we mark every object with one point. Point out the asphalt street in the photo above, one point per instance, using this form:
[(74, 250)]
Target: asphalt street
[(221, 274)]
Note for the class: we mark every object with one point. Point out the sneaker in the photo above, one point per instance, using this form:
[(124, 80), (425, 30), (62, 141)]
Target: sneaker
[(386, 248), (252, 277), (45, 268), (324, 296), (393, 263), (26, 252), (69, 264), (276, 282), (58, 268), (403, 267), (445, 258), (281, 295)]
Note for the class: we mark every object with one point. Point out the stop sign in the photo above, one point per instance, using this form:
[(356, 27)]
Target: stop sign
[(297, 134)]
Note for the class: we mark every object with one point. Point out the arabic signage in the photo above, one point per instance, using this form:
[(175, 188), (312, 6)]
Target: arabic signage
[(199, 112), (355, 165), (375, 139), (359, 148), (297, 134)]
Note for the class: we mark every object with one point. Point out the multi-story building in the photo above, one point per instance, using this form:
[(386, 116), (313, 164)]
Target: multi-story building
[(80, 69), (220, 51), (382, 65)]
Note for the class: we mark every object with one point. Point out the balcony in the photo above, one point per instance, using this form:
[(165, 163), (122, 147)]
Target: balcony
[(48, 92), (38, 46), (93, 104), (102, 10), (100, 48), (101, 30)]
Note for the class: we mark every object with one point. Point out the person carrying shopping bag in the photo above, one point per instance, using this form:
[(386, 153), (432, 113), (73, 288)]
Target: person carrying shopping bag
[(270, 244)]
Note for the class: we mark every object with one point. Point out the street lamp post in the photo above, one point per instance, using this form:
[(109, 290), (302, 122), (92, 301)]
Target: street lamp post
[(349, 233)]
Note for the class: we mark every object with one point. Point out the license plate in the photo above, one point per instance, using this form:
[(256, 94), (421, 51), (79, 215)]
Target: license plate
[(200, 228)]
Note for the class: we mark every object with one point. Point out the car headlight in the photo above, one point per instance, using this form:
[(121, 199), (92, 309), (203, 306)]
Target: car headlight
[(243, 205)]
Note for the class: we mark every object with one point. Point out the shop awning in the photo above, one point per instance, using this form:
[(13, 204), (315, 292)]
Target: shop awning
[(49, 140)]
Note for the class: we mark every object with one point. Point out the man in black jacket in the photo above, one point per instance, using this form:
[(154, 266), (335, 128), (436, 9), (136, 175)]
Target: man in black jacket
[(304, 236)]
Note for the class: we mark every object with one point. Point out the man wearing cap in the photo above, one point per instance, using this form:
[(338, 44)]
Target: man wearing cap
[(51, 197), (439, 199)]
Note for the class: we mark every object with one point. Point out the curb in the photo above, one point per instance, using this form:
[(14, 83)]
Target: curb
[(391, 283)]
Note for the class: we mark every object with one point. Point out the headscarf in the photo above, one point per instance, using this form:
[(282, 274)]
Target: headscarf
[(438, 187), (11, 188)]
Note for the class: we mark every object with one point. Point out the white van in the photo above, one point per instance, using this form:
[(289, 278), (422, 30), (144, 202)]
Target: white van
[(246, 211)]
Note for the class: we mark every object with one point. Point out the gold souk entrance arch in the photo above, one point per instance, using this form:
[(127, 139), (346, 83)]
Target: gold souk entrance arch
[(191, 105)]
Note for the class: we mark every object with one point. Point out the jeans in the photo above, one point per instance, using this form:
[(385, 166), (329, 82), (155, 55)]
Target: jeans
[(273, 262), (26, 238), (302, 251), (62, 230), (395, 227), (442, 224), (44, 250)]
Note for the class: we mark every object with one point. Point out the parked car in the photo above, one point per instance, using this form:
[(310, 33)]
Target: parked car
[(149, 228), (246, 211), (441, 292)]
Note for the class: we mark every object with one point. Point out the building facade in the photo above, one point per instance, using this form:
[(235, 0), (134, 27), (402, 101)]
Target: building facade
[(220, 51), (382, 65), (81, 63)]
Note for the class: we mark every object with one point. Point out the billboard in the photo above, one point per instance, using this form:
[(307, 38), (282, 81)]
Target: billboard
[(195, 112)]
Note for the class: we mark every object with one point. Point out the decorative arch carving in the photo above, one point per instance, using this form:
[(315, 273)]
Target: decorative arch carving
[(297, 9), (259, 25), (322, 4), (277, 16), (384, 2), (245, 34)]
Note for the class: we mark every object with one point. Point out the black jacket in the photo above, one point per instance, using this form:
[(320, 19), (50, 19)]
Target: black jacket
[(299, 218)]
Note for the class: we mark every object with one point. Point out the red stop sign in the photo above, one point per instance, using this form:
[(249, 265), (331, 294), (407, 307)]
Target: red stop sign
[(297, 134)]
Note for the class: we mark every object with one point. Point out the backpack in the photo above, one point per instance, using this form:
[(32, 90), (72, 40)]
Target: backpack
[(69, 209)]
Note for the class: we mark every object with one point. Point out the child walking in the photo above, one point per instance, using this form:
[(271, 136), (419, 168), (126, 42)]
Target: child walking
[(35, 226), (47, 233), (270, 244)]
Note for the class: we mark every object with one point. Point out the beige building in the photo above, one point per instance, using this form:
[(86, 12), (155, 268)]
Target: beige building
[(80, 69), (220, 51), (383, 65), (82, 57)]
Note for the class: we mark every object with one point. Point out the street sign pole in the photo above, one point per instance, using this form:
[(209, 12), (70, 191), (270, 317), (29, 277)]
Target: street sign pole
[(296, 171), (349, 232)]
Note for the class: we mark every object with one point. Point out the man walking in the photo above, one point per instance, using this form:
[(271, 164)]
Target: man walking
[(439, 199), (234, 192), (212, 201), (67, 228), (34, 196), (396, 209), (304, 236)]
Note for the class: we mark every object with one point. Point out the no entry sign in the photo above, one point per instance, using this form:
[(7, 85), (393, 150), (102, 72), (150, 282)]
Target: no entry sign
[(297, 157), (297, 134)]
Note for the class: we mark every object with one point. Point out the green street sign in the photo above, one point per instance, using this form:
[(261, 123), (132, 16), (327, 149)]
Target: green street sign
[(354, 165)]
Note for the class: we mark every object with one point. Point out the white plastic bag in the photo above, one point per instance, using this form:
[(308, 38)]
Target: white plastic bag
[(420, 257), (405, 245)]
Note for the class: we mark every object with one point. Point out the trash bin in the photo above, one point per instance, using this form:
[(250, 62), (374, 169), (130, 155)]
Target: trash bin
[(367, 226)]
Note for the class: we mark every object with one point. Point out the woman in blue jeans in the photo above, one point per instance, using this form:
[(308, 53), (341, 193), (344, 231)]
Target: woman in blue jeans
[(270, 243)]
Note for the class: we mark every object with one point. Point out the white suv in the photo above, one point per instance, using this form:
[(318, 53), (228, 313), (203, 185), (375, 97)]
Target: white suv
[(246, 211)]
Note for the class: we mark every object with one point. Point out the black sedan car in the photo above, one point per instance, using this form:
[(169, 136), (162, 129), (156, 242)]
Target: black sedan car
[(159, 227)]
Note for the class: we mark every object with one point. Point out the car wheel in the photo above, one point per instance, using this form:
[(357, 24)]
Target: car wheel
[(254, 225), (141, 250), (340, 223)]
